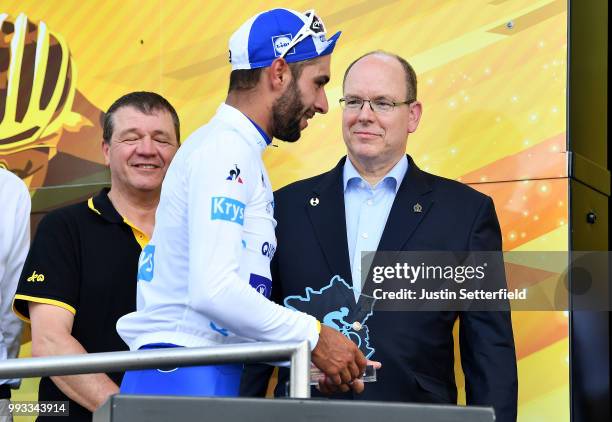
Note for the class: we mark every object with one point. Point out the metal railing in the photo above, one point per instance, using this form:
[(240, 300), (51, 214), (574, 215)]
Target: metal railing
[(298, 353)]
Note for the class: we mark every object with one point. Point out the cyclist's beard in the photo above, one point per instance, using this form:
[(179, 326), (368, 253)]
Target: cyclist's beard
[(287, 113)]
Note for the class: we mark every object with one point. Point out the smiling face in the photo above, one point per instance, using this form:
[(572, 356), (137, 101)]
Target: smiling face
[(140, 149), (302, 99), (378, 139)]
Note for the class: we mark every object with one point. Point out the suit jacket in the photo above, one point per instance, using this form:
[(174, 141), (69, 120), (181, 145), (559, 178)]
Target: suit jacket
[(415, 348)]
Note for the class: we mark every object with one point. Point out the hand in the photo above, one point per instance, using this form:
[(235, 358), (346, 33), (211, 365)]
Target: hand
[(340, 360), (326, 387), (357, 385)]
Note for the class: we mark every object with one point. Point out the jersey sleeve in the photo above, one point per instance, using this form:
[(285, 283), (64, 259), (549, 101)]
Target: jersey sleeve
[(217, 206), (51, 272), (17, 241)]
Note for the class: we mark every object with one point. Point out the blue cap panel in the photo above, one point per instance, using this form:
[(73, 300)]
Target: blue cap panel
[(267, 35)]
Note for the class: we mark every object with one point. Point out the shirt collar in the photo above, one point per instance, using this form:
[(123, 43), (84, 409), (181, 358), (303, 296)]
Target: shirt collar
[(101, 205), (261, 131), (243, 125), (396, 174)]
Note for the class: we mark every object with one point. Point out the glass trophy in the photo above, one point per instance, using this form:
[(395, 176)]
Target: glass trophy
[(336, 305)]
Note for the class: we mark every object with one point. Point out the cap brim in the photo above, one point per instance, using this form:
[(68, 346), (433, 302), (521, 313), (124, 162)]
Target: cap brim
[(331, 44)]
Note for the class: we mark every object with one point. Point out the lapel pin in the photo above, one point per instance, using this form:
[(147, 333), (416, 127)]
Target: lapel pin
[(418, 208), (314, 201), (357, 326)]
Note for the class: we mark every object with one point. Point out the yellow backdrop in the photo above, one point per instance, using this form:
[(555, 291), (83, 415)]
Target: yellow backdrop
[(492, 79)]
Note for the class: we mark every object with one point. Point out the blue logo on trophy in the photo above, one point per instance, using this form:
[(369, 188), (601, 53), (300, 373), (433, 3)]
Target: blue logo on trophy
[(335, 307)]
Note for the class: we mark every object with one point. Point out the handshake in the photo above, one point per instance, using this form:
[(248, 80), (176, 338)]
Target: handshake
[(341, 362)]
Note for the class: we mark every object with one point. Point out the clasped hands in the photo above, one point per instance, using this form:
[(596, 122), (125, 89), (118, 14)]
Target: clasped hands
[(341, 361)]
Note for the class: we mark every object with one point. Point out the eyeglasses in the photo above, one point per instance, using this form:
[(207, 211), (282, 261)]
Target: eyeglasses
[(312, 28), (379, 105)]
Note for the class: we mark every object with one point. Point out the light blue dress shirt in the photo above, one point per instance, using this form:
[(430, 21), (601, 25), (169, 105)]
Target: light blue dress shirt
[(367, 208)]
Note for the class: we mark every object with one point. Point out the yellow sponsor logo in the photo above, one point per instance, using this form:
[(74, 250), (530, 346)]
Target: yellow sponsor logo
[(36, 277)]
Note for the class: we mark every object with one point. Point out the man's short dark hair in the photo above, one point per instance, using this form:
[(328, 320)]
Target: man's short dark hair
[(411, 78), (247, 79), (145, 102)]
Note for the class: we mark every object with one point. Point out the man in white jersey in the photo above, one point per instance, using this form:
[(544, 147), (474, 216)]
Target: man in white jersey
[(204, 279)]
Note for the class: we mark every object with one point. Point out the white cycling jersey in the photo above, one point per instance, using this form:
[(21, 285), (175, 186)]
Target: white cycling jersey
[(204, 277)]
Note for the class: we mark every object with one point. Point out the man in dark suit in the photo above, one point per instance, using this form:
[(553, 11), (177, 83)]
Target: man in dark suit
[(378, 199)]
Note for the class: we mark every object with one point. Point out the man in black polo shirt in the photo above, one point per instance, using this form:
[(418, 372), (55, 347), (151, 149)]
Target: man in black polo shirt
[(80, 274)]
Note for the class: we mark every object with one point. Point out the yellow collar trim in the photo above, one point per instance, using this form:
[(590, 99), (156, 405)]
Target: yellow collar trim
[(91, 206), (139, 235)]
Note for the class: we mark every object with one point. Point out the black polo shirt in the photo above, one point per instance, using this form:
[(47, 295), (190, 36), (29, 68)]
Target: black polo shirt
[(84, 258)]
